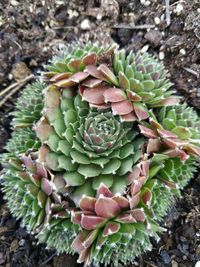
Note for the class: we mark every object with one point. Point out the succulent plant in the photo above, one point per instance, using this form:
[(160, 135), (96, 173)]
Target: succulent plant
[(22, 140), (181, 120), (29, 105), (102, 225), (177, 142), (100, 151), (34, 189), (86, 144)]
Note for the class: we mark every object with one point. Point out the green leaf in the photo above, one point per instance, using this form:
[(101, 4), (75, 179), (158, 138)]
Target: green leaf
[(100, 161), (127, 228), (74, 179), (148, 85), (112, 166), (168, 124), (136, 86), (129, 72), (126, 165), (28, 199), (68, 134), (123, 81), (126, 151), (90, 170), (70, 116), (53, 142), (67, 104), (182, 132), (79, 157), (32, 189), (41, 217), (36, 207), (157, 158), (146, 96), (119, 66), (139, 236), (155, 169), (141, 227), (114, 239), (171, 114), (85, 189), (42, 197), (65, 147), (106, 179), (59, 126), (139, 76), (119, 185), (66, 163)]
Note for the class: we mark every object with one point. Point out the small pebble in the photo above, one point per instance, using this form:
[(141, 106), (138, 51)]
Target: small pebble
[(179, 9), (85, 24), (182, 52), (14, 3), (10, 76), (145, 2), (162, 17), (72, 13), (174, 264), (161, 55), (144, 48), (165, 257), (22, 242), (157, 20), (154, 37)]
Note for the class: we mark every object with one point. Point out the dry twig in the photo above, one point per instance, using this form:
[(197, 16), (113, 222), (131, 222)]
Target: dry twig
[(13, 88), (134, 27), (192, 72), (168, 18)]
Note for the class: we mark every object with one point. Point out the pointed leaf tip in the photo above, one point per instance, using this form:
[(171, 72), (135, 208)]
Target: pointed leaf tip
[(103, 190), (114, 95), (90, 222), (87, 203), (122, 108), (106, 207), (111, 228)]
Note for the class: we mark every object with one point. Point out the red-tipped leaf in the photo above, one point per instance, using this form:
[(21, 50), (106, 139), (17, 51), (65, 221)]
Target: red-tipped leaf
[(90, 222), (114, 95), (149, 133), (94, 95), (103, 190), (87, 203), (111, 228), (122, 108), (106, 207)]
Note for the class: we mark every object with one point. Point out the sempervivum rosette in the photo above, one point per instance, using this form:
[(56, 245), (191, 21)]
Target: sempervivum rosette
[(132, 84), (36, 192), (98, 154), (85, 144)]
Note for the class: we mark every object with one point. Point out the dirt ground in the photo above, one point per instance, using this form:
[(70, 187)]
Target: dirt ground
[(30, 33)]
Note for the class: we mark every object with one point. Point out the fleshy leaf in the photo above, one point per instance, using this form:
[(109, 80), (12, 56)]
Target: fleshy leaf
[(90, 222), (122, 108), (87, 203), (114, 95), (106, 207), (111, 228)]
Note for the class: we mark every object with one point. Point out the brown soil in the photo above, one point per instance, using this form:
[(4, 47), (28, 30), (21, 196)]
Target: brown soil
[(30, 32)]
